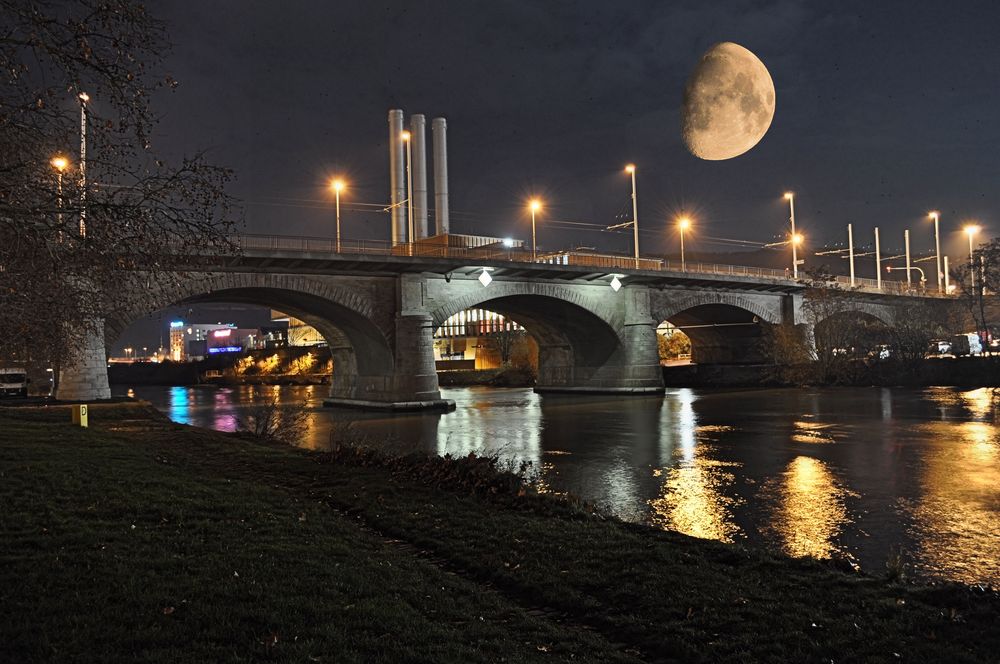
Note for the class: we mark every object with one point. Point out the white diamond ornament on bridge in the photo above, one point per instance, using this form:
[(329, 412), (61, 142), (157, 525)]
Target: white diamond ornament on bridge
[(485, 279), (615, 283)]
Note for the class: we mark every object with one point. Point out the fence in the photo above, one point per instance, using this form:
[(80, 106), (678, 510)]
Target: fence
[(499, 252)]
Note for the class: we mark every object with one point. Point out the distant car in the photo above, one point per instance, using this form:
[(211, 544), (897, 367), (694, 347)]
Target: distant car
[(13, 382), (939, 347)]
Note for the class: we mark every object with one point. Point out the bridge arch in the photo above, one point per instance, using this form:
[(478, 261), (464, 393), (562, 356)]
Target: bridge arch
[(724, 328), (577, 332), (358, 345)]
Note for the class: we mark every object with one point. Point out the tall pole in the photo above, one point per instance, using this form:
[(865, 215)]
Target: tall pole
[(409, 190), (946, 284), (84, 98), (936, 216), (534, 244), (336, 188), (878, 262), (906, 241), (850, 250), (795, 250), (683, 265), (972, 260), (635, 214)]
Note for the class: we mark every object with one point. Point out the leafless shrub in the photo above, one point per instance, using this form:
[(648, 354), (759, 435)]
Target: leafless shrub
[(272, 421)]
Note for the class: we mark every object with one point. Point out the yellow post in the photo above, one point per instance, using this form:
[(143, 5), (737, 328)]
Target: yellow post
[(80, 414)]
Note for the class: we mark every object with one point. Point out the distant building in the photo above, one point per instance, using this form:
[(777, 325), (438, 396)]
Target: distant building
[(475, 339), (195, 341), (299, 333)]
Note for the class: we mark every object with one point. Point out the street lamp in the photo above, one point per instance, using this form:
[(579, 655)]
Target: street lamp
[(84, 98), (936, 216), (790, 197), (923, 278), (971, 230), (630, 169), (60, 164), (535, 206), (682, 225), (409, 188), (337, 185)]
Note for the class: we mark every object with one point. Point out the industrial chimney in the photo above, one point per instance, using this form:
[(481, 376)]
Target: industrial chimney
[(418, 125), (438, 129), (397, 177)]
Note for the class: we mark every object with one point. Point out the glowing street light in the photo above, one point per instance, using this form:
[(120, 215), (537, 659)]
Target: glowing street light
[(936, 216), (790, 197), (535, 206), (630, 169), (682, 225), (409, 188), (971, 230), (338, 186), (60, 164)]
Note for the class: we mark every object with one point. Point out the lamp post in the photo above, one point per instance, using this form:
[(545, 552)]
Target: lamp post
[(630, 169), (60, 164), (971, 230), (409, 190), (906, 243), (790, 197), (682, 225), (878, 262), (850, 250), (84, 98), (535, 206), (338, 186), (936, 216)]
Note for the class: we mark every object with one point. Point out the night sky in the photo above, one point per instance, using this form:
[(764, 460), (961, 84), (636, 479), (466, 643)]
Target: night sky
[(885, 110)]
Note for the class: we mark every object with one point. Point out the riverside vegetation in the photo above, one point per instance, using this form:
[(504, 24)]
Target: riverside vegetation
[(141, 539)]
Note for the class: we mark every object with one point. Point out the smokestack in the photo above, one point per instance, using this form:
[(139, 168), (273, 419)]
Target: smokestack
[(418, 125), (397, 176), (438, 129)]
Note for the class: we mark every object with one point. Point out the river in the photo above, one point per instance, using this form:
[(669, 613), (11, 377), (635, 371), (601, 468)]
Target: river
[(843, 472)]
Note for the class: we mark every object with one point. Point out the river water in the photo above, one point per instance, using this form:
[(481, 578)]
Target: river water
[(850, 473)]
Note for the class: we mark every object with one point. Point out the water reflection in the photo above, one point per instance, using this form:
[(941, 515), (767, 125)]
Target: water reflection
[(810, 509), (815, 472), (954, 520)]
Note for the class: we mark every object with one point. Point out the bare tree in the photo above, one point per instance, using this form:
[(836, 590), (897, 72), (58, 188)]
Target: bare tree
[(506, 340), (69, 239)]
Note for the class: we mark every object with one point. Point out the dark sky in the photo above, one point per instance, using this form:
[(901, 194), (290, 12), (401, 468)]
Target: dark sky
[(885, 110)]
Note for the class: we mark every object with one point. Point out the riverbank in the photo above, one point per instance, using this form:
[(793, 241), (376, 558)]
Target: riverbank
[(143, 539)]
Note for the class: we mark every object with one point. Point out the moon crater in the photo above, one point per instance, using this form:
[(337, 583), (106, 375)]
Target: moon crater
[(728, 103)]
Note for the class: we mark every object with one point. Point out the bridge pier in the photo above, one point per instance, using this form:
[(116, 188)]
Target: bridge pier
[(86, 378)]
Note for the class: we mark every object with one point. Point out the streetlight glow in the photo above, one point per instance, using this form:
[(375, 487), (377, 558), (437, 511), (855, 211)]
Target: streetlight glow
[(536, 205), (971, 229), (405, 135), (630, 168), (789, 195), (684, 223), (797, 238), (337, 185), (59, 163), (84, 97)]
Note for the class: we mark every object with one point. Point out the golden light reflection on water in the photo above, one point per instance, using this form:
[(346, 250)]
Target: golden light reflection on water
[(956, 520), (693, 500), (812, 433), (810, 509)]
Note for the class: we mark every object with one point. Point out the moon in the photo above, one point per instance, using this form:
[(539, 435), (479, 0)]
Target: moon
[(728, 103)]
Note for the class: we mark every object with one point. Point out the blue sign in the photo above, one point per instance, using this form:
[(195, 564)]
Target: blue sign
[(176, 323), (226, 349)]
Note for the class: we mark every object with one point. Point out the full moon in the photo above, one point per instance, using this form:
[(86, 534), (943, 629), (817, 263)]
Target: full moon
[(728, 103)]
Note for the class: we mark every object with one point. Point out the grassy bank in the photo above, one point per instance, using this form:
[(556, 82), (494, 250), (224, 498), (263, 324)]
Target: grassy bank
[(141, 539)]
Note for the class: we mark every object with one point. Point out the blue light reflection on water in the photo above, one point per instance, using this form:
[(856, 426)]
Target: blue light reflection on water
[(842, 472)]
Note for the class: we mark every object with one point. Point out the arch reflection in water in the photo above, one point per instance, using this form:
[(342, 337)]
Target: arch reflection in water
[(810, 509), (955, 518)]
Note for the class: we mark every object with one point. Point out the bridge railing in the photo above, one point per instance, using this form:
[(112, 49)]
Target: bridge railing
[(499, 252)]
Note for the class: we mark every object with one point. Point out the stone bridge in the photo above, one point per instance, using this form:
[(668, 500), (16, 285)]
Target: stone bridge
[(378, 312)]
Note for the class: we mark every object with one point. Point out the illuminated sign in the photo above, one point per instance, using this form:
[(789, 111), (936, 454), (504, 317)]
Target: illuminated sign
[(221, 333), (226, 349), (176, 323)]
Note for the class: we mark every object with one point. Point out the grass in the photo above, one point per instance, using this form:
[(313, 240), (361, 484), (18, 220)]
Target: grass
[(144, 540)]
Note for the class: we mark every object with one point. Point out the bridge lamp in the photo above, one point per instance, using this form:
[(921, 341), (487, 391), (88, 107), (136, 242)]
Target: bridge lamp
[(616, 283), (683, 224), (630, 169), (409, 187), (971, 230), (936, 216), (790, 197), (60, 164), (535, 205), (338, 186), (485, 279)]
